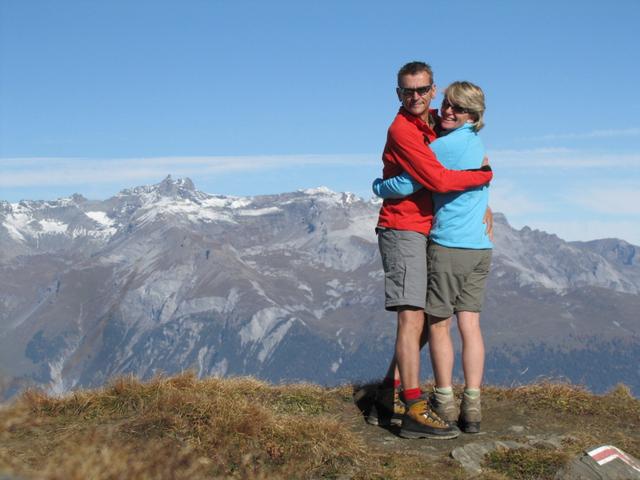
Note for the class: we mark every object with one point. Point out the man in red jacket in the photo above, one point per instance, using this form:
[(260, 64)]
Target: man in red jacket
[(403, 228)]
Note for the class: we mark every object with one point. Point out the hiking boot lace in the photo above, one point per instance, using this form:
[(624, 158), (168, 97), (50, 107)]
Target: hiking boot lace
[(426, 412)]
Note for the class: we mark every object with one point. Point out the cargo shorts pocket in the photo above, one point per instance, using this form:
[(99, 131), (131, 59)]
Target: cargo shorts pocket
[(394, 279), (394, 265)]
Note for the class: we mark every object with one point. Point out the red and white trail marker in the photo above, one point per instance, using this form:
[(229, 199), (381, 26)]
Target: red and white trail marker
[(607, 453)]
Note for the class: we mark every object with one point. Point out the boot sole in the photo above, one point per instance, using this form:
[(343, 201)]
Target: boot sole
[(470, 427), (439, 436)]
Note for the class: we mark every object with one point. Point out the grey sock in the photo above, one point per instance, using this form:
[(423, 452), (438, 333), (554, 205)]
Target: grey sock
[(444, 390), (472, 393)]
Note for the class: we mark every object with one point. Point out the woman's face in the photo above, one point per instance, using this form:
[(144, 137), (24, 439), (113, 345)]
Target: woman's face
[(453, 116)]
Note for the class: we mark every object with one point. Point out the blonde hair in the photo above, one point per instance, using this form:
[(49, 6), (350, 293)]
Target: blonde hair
[(468, 96)]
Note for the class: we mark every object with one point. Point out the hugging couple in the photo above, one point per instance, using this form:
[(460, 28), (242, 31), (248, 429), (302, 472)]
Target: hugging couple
[(434, 235)]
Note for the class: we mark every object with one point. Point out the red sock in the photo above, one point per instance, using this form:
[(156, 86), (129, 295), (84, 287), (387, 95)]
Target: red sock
[(411, 394)]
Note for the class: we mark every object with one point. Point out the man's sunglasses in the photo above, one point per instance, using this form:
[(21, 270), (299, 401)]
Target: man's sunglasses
[(456, 108), (408, 92)]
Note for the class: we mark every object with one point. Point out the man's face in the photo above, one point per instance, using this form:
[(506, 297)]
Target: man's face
[(415, 103)]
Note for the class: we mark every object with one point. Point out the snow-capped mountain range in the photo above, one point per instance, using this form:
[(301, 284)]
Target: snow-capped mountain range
[(165, 278)]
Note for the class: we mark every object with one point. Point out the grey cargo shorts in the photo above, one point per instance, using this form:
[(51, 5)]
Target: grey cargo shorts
[(404, 259)]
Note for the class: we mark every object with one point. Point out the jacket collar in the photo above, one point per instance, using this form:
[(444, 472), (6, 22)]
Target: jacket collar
[(418, 122)]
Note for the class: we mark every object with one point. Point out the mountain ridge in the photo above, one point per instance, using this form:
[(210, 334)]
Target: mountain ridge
[(165, 277)]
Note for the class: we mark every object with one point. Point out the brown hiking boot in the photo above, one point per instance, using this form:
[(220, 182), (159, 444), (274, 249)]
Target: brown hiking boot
[(387, 408), (445, 406), (419, 421), (470, 414)]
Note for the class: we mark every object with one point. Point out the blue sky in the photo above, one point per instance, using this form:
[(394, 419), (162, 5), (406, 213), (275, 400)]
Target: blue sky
[(253, 97)]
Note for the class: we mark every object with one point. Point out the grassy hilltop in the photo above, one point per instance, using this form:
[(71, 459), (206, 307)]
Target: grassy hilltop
[(185, 428)]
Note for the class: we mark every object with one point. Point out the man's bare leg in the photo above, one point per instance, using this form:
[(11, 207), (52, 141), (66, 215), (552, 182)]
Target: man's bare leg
[(441, 350), (472, 348), (410, 328), (387, 408), (393, 371)]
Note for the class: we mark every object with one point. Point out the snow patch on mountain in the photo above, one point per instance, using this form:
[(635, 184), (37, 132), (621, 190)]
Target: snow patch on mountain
[(329, 197), (194, 212), (259, 211), (104, 233), (48, 226), (20, 224), (322, 190), (101, 218), (219, 201)]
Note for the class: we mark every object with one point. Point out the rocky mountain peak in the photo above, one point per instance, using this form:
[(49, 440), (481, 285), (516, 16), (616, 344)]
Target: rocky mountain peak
[(170, 187), (180, 188), (78, 198), (328, 196), (615, 250), (175, 188)]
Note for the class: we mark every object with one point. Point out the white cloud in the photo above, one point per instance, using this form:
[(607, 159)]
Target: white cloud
[(584, 212), (609, 133), (613, 199), (561, 158), (47, 171), (508, 198)]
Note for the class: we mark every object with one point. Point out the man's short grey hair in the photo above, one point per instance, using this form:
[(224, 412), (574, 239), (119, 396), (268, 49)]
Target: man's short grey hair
[(413, 68)]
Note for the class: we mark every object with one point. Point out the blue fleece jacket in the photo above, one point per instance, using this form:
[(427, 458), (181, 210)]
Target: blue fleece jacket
[(458, 215)]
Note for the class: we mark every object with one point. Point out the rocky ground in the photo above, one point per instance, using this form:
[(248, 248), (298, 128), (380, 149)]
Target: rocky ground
[(510, 426)]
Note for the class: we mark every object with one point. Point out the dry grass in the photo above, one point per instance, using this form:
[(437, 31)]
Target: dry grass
[(178, 427), (185, 428), (527, 463), (575, 400)]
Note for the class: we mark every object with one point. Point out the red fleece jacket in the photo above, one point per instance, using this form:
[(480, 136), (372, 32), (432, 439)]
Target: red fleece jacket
[(407, 150)]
